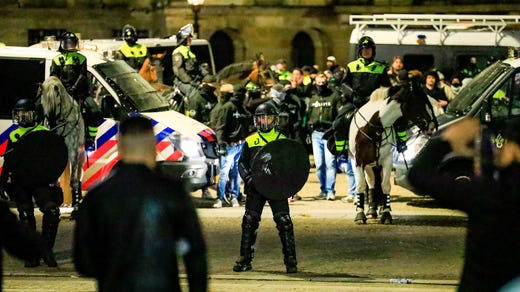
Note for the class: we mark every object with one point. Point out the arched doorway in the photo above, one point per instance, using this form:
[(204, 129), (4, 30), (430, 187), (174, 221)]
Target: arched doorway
[(303, 51), (223, 49)]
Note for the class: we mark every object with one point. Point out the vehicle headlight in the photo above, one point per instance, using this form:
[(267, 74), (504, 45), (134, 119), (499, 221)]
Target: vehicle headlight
[(190, 147)]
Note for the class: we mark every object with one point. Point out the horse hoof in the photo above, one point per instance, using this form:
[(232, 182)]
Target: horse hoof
[(360, 218), (372, 213), (386, 218)]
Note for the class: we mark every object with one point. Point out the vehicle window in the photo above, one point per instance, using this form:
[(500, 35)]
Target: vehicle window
[(506, 100), (135, 92), (418, 62), (19, 78), (475, 89)]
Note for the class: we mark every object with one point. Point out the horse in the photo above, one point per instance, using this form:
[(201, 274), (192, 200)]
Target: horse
[(371, 138), (63, 116)]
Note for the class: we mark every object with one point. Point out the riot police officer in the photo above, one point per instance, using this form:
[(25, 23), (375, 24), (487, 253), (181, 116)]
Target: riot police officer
[(48, 197), (133, 53), (71, 68), (265, 120), (185, 65)]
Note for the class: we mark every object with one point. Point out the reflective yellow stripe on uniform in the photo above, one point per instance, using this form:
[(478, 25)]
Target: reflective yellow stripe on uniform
[(184, 51), (92, 131), (71, 58), (359, 66), (135, 51), (20, 131), (255, 140)]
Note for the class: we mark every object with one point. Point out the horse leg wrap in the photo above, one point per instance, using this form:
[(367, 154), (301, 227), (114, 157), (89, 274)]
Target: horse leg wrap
[(76, 195), (386, 216), (361, 218), (250, 225), (372, 204), (286, 232)]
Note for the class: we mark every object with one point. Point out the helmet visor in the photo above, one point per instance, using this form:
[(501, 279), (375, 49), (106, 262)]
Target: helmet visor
[(265, 123), (24, 118), (70, 45)]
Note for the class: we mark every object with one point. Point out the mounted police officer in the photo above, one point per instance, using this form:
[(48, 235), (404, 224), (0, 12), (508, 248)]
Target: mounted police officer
[(185, 66), (265, 120), (71, 68), (133, 53), (48, 196), (363, 76)]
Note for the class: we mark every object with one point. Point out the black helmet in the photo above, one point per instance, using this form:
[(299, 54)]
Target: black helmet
[(129, 34), (24, 113), (266, 117), (69, 42), (367, 42), (183, 34)]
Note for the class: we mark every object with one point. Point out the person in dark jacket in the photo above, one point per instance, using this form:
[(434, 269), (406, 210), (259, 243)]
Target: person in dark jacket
[(17, 238), (491, 200), (322, 110), (231, 127), (132, 227)]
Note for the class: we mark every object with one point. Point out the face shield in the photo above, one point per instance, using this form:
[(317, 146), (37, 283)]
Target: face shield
[(69, 45), (265, 123), (24, 118)]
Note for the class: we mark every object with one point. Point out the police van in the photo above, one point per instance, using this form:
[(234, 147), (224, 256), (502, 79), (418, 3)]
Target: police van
[(441, 41), (185, 147)]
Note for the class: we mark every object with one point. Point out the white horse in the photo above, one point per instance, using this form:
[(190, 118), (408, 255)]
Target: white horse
[(371, 138), (63, 116)]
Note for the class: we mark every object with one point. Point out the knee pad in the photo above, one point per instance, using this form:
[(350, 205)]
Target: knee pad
[(51, 211), (250, 220), (283, 222)]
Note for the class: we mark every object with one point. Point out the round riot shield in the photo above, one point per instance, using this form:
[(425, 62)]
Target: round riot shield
[(39, 158), (280, 169)]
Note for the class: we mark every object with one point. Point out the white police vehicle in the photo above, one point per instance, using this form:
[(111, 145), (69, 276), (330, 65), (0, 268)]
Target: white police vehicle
[(185, 147), (493, 96)]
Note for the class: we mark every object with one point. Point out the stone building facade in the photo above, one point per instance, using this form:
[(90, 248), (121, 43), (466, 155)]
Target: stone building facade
[(300, 31)]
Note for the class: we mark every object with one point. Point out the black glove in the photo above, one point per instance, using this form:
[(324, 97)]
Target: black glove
[(90, 144), (3, 195)]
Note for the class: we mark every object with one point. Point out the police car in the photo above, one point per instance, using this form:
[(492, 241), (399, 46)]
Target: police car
[(185, 147), (493, 96)]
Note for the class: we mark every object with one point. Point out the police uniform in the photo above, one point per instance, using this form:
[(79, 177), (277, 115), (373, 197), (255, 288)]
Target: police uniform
[(47, 197), (134, 55), (71, 68), (255, 203)]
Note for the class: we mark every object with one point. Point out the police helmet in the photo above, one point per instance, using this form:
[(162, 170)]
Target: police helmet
[(183, 34), (24, 113), (367, 42), (130, 34), (266, 117), (69, 42)]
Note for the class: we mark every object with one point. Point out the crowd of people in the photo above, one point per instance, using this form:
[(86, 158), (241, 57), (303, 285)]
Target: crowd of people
[(311, 105)]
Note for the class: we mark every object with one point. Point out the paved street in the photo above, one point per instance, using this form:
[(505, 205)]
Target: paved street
[(425, 245)]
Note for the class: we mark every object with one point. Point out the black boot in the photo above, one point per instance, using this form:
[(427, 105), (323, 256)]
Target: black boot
[(77, 195), (50, 221), (360, 209), (26, 215), (372, 204), (286, 233), (247, 244)]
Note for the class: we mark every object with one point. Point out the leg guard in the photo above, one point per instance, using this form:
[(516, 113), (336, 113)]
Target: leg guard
[(76, 195), (250, 225), (372, 204), (286, 232), (26, 215), (50, 221)]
